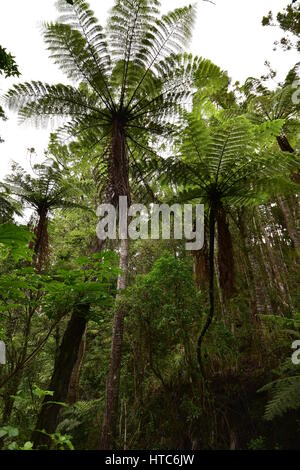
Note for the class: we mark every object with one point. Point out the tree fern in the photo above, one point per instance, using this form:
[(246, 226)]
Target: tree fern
[(223, 168), (134, 73), (131, 80), (44, 192)]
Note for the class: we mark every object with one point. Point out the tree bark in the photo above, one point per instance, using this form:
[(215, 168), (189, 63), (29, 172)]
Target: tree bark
[(285, 146), (41, 243), (113, 379), (59, 384), (119, 182), (212, 223), (289, 222), (73, 392)]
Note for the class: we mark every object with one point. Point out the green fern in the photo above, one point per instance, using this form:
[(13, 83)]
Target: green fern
[(133, 75), (285, 390)]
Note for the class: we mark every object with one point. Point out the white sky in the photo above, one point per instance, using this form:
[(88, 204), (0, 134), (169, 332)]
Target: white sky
[(230, 34)]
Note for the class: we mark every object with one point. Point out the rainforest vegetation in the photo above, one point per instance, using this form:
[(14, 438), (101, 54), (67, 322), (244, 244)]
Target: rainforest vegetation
[(142, 344)]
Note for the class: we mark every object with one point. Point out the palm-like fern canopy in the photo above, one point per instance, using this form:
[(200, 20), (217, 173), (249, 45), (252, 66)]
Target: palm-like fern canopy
[(281, 104), (130, 78), (44, 191), (223, 165)]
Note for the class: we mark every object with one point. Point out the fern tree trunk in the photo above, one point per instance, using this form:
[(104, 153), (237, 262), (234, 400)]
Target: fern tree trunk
[(59, 384), (120, 185), (113, 379), (41, 243), (73, 391), (212, 223)]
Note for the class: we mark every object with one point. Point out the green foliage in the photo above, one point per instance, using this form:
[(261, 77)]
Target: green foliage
[(137, 81), (15, 239), (47, 190), (135, 75), (9, 431), (167, 308), (61, 441), (289, 22), (221, 165), (257, 444), (8, 66), (285, 392), (286, 389), (90, 281)]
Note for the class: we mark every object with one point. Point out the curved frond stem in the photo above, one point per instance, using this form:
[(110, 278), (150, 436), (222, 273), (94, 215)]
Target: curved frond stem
[(127, 53), (221, 157), (156, 56), (148, 149), (91, 49)]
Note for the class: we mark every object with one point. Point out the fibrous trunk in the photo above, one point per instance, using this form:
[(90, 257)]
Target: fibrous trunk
[(41, 243), (119, 182), (225, 254), (212, 222), (113, 379), (59, 384)]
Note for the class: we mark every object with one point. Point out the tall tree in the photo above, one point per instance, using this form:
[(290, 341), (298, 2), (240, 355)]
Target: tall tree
[(133, 78), (267, 107), (221, 167), (44, 192)]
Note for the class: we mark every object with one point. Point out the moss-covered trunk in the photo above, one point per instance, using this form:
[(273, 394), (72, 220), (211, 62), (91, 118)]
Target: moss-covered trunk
[(59, 384)]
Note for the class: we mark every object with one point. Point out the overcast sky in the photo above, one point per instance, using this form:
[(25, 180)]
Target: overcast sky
[(229, 33)]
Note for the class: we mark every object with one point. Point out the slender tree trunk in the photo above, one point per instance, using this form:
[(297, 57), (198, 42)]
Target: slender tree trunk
[(113, 379), (263, 302), (222, 302), (225, 255), (41, 243), (212, 222), (119, 182), (271, 263), (290, 223), (281, 263), (73, 392), (59, 384), (201, 264), (259, 297)]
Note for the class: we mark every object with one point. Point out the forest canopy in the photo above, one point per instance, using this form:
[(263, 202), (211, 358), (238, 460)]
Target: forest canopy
[(103, 336)]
